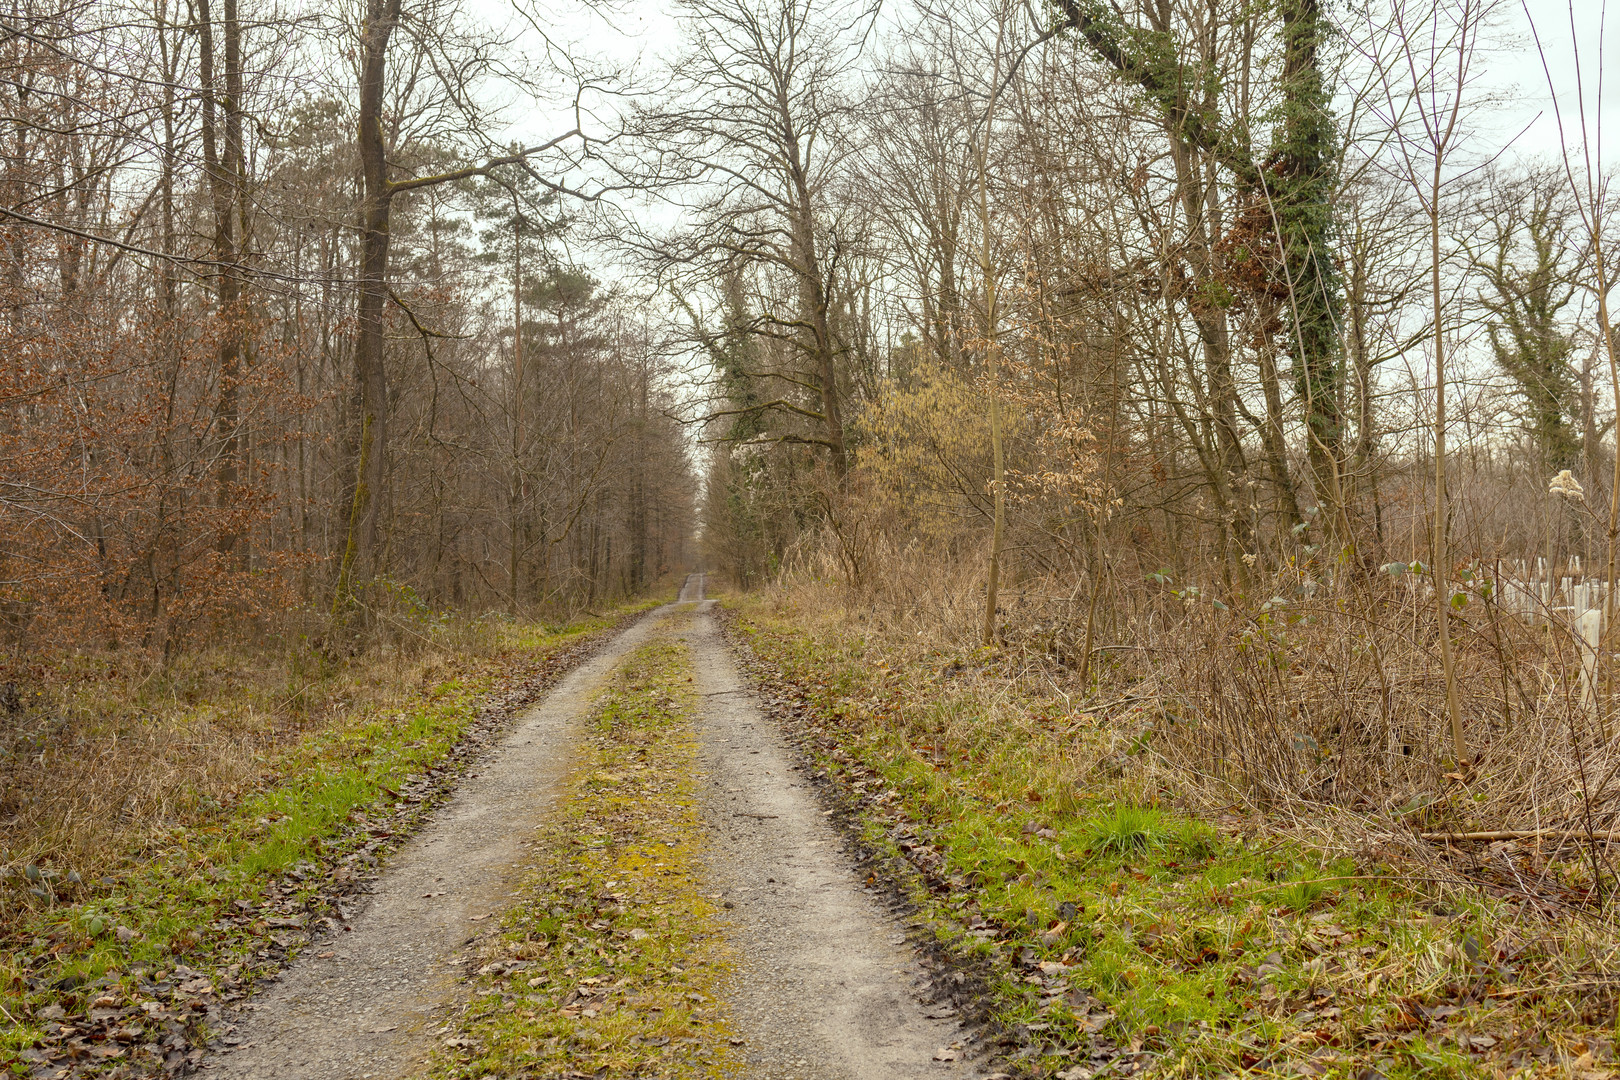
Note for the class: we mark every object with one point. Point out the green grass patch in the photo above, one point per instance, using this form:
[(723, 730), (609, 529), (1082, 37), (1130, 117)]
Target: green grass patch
[(225, 900), (1124, 930)]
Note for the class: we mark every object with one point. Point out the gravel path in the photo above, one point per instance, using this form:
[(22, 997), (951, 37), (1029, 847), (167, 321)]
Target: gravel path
[(825, 987), (363, 1003)]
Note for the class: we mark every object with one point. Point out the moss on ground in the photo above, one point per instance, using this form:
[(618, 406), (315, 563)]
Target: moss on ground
[(610, 963), (1128, 938)]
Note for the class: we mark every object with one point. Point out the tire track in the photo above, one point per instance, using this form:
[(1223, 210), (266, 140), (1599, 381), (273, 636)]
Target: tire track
[(364, 1002), (827, 987)]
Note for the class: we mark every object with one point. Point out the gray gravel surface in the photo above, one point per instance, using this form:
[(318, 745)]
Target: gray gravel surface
[(825, 986), (364, 1002)]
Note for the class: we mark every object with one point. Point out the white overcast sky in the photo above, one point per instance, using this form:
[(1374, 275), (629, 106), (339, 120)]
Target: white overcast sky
[(1520, 120), (1512, 68)]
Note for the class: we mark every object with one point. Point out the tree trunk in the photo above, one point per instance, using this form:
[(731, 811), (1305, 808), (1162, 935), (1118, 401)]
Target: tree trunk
[(515, 494), (370, 471), (813, 291), (1302, 197), (223, 167)]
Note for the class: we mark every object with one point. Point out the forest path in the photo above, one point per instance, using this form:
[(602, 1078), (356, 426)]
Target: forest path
[(823, 986), (362, 1003)]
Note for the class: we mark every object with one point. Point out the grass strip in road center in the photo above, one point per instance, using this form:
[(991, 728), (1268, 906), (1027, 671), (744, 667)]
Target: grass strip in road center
[(608, 964)]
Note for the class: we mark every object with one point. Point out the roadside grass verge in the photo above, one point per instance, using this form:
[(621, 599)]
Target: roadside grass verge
[(125, 967), (1128, 937), (609, 963)]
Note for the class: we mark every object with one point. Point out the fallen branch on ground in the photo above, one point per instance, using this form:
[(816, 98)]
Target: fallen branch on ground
[(1522, 834)]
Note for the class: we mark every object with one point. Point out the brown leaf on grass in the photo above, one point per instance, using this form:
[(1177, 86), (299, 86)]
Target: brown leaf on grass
[(1095, 1022)]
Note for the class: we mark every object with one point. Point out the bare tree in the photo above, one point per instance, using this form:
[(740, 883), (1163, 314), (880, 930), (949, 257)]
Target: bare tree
[(1426, 79), (1287, 189), (379, 137), (753, 132)]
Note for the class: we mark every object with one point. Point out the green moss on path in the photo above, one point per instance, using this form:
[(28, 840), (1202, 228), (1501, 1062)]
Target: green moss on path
[(610, 962)]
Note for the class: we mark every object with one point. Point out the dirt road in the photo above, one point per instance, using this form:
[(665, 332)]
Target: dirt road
[(363, 1003), (825, 988)]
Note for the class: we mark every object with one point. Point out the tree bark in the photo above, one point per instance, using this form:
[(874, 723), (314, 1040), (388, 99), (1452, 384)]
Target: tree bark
[(223, 166), (370, 467), (516, 492), (1301, 196), (813, 288)]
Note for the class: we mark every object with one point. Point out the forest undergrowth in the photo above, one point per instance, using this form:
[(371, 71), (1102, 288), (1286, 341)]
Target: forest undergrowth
[(1196, 862)]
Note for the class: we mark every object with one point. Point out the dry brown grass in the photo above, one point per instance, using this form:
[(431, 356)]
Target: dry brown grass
[(1306, 711), (108, 752)]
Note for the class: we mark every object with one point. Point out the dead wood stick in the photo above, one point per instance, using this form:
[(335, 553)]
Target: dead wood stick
[(1523, 834)]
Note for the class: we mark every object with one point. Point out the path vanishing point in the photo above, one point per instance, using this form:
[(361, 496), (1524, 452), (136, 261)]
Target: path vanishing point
[(825, 987)]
